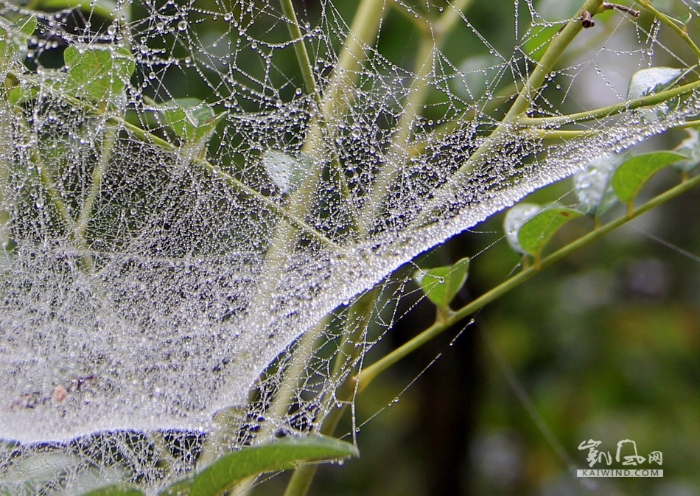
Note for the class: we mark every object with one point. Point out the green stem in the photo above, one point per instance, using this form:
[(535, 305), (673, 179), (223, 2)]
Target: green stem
[(603, 112), (525, 98), (300, 49), (98, 174), (354, 329), (366, 377), (363, 32), (399, 153), (681, 31), (564, 134), (230, 180)]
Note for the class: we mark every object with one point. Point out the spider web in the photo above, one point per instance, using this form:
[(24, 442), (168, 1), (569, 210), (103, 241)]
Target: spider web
[(166, 273)]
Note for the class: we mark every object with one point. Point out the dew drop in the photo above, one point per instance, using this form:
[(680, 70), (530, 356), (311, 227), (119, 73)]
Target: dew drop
[(182, 25)]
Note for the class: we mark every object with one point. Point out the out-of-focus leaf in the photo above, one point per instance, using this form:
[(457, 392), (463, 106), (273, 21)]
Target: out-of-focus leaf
[(534, 234), (284, 454), (634, 173), (593, 185), (441, 284), (690, 148), (515, 218)]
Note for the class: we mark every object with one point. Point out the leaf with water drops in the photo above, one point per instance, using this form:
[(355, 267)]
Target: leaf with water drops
[(286, 171), (441, 284), (515, 218), (631, 176), (653, 80), (98, 73), (191, 119), (534, 234), (690, 148), (13, 37), (593, 185), (22, 94)]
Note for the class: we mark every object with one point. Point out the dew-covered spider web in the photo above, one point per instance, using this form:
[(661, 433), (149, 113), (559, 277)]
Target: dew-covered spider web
[(188, 206)]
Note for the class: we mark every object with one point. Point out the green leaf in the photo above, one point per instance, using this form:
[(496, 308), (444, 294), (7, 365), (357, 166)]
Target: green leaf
[(515, 218), (191, 119), (593, 185), (284, 454), (115, 490), (441, 284), (22, 94), (534, 234), (633, 174), (13, 37), (98, 72)]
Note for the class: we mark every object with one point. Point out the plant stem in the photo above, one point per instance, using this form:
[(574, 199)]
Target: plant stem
[(365, 377), (682, 32), (602, 112), (399, 153), (525, 98), (300, 49), (98, 173), (357, 320)]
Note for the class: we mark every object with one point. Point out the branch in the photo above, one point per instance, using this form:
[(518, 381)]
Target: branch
[(682, 32), (366, 377), (603, 112)]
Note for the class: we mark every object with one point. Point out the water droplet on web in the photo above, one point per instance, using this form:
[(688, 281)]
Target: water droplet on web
[(182, 25)]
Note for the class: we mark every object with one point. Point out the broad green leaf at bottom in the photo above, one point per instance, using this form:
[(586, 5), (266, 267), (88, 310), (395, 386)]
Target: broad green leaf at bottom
[(284, 454)]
